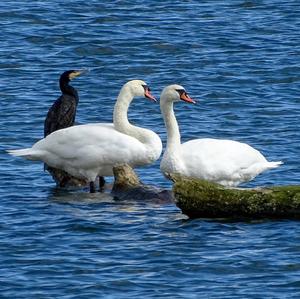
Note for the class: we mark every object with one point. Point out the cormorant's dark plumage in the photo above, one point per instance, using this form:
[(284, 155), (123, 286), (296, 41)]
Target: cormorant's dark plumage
[(63, 111)]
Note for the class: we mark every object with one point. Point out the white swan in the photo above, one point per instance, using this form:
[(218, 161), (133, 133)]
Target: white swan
[(86, 151), (226, 162)]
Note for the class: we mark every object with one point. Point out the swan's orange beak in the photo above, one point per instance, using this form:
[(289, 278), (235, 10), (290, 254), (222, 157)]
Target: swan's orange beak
[(148, 94), (185, 97)]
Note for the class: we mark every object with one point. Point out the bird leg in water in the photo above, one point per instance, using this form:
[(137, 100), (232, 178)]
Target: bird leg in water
[(101, 183), (92, 187)]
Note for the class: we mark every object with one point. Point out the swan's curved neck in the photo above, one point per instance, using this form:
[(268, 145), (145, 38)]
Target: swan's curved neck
[(173, 134), (120, 118)]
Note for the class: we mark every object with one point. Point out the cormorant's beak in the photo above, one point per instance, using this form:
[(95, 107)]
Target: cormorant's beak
[(77, 73), (148, 93)]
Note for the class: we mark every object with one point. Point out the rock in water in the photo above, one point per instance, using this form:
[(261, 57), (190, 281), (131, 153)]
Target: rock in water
[(125, 178), (127, 186), (198, 198), (63, 179)]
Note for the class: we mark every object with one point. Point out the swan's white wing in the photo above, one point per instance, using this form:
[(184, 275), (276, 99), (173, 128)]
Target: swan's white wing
[(91, 146)]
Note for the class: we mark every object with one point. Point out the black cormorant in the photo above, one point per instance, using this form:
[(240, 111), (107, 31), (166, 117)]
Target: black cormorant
[(62, 115)]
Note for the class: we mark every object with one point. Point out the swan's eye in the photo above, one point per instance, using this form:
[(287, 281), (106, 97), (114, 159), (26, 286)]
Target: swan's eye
[(146, 87), (181, 91)]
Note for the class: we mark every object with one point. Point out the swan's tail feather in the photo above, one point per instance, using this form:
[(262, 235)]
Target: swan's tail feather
[(276, 164), (27, 153), (257, 168)]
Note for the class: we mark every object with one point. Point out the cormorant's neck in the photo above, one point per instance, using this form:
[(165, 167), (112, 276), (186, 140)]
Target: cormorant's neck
[(66, 88)]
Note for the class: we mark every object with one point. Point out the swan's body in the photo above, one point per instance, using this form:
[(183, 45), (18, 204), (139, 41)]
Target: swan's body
[(226, 162), (86, 151)]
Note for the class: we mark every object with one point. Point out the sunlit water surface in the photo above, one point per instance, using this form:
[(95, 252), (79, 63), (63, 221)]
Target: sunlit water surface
[(239, 59)]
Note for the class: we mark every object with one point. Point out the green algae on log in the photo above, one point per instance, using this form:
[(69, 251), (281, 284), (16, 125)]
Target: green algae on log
[(202, 199)]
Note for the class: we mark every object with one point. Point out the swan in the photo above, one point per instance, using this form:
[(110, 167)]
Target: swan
[(225, 162), (91, 150)]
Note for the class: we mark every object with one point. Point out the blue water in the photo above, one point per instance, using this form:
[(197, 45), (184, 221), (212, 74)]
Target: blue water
[(239, 59)]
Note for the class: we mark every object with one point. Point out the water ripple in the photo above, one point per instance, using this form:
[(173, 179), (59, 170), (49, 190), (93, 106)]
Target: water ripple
[(239, 60)]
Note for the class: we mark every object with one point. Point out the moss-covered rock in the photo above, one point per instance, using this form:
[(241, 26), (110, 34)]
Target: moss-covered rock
[(198, 198)]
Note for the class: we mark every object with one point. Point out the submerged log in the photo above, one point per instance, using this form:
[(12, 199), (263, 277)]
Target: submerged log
[(127, 186), (202, 199)]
